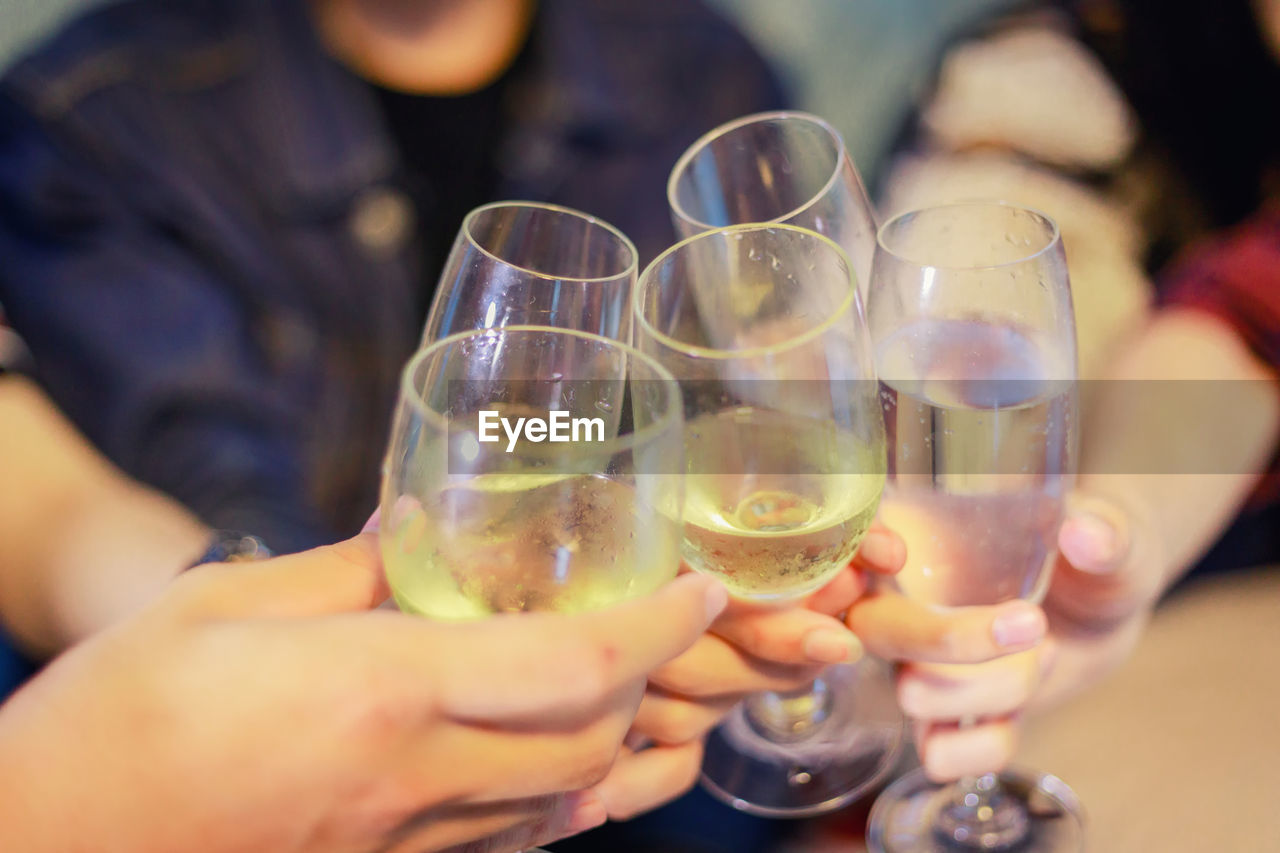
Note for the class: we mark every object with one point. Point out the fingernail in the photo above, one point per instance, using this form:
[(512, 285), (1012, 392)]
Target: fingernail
[(829, 645), (1089, 542), (588, 814), (373, 522), (717, 600), (881, 548), (1019, 625)]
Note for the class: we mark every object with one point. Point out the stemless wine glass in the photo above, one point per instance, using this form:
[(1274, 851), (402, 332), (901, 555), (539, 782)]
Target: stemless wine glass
[(784, 448), (788, 167), (972, 321), (474, 526), (520, 262)]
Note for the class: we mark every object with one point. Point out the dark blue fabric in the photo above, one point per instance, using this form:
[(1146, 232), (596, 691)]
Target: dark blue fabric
[(695, 823), (14, 668), (180, 194)]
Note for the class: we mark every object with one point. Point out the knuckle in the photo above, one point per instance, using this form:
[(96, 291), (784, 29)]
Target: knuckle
[(584, 672), (680, 722), (913, 698), (194, 593), (680, 676), (597, 761), (754, 636)]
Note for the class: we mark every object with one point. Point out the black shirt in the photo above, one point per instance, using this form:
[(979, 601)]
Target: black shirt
[(448, 150)]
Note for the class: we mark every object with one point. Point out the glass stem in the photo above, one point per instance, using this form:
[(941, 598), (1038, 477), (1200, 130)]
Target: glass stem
[(791, 716)]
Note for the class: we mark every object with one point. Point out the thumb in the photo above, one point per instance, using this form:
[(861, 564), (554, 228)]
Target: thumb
[(1094, 538), (1103, 573), (331, 579)]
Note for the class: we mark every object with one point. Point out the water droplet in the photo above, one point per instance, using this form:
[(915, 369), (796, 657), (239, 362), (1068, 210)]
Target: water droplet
[(604, 405), (755, 254), (557, 376), (776, 263)]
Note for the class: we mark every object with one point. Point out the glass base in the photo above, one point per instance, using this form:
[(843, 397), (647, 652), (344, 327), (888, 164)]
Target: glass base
[(843, 757), (1034, 813)]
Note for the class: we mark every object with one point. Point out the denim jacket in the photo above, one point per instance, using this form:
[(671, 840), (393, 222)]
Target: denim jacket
[(196, 243)]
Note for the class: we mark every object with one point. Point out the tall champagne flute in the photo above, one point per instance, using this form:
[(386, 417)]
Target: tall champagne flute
[(522, 262), (972, 321), (784, 449), (793, 168), (788, 167), (473, 527)]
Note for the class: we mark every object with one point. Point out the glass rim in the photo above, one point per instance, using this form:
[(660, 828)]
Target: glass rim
[(1054, 237), (725, 129), (672, 415), (631, 269), (846, 305)]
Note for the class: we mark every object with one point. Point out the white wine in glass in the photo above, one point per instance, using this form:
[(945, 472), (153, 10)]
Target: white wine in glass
[(784, 448), (794, 168), (474, 526), (783, 530)]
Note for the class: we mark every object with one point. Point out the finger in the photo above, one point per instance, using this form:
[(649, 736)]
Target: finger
[(337, 578), (489, 763), (949, 692), (644, 780), (897, 628), (544, 666), (1101, 577), (787, 635), (839, 593), (949, 752), (882, 551), (712, 667), (671, 720), (503, 826)]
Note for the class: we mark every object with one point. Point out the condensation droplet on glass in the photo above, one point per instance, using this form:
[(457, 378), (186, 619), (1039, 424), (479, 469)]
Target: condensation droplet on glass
[(776, 263), (557, 376), (755, 254), (604, 405)]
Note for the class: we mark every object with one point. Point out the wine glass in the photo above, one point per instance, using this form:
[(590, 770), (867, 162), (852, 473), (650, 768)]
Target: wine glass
[(788, 167), (520, 262), (784, 449), (972, 321), (474, 526), (793, 168)]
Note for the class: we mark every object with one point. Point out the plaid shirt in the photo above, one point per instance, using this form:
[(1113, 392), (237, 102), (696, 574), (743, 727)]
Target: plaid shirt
[(1235, 276)]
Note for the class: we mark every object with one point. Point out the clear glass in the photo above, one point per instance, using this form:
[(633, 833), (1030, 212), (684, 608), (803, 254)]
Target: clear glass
[(519, 262), (787, 167), (971, 316), (792, 168), (474, 526), (785, 461)]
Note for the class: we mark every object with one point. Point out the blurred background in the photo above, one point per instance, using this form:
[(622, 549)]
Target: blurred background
[(1141, 139)]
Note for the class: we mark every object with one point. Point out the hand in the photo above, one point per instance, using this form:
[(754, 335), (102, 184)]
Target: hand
[(253, 708), (750, 648), (1107, 578)]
